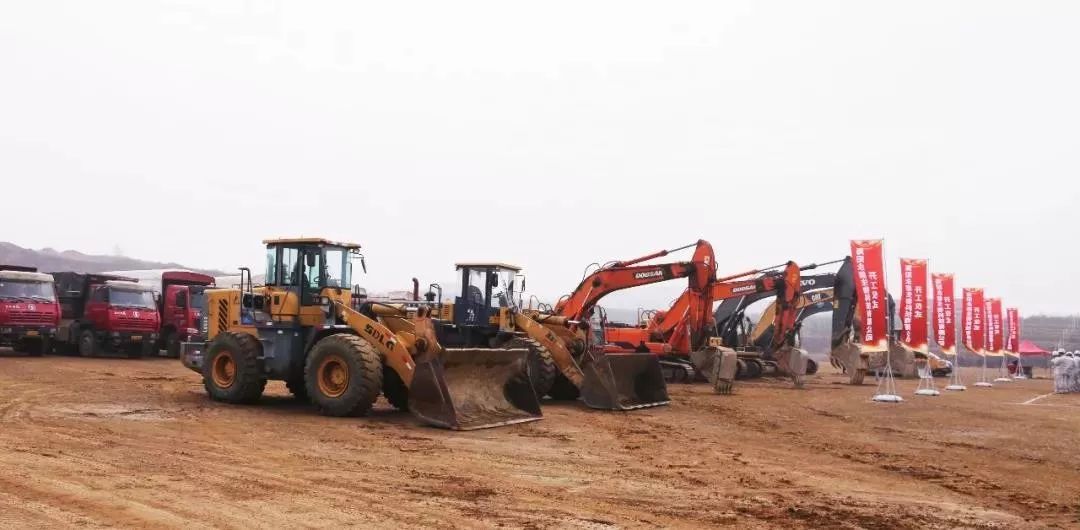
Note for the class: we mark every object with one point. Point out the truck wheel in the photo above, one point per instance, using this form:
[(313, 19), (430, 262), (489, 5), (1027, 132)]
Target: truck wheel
[(394, 389), (343, 375), (563, 390), (87, 344), (232, 372), (541, 367), (172, 344)]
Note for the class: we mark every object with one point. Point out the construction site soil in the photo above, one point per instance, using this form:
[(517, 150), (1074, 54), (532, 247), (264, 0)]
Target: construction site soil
[(136, 443)]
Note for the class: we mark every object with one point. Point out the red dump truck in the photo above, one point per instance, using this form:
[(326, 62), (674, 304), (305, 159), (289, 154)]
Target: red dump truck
[(102, 312), (29, 313), (179, 307)]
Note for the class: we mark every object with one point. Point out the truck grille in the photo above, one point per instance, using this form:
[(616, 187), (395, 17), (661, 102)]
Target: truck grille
[(29, 317), (134, 324)]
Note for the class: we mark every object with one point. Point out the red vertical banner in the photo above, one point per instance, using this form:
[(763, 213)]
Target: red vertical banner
[(1012, 342), (944, 316), (997, 329), (972, 321), (869, 259), (913, 304)]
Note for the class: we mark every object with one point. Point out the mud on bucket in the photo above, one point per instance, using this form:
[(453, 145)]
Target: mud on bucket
[(624, 381), (474, 388)]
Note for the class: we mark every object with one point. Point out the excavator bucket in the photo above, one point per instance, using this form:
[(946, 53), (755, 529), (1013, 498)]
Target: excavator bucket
[(624, 381), (474, 388), (792, 362), (719, 366)]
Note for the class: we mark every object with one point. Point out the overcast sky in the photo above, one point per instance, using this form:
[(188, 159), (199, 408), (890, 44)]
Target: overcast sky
[(551, 134)]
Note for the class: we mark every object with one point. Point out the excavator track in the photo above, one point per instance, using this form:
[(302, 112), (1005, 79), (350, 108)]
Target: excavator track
[(678, 371)]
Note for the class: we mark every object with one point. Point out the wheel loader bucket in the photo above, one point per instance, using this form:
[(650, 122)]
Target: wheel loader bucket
[(624, 381), (474, 388)]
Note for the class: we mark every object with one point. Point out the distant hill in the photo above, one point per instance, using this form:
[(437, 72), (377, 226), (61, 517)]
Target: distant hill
[(50, 260)]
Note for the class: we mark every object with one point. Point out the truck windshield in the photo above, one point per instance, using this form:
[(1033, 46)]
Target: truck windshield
[(197, 300), (38, 291), (127, 298)]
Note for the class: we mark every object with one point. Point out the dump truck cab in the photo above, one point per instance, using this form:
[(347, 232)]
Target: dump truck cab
[(29, 312), (179, 306), (107, 312)]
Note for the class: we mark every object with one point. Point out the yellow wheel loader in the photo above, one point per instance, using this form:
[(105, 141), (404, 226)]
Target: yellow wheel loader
[(487, 315), (299, 328)]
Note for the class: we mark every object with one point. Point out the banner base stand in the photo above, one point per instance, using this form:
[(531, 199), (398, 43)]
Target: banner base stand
[(984, 384), (927, 392), (1019, 377), (959, 388), (888, 398), (1003, 380)]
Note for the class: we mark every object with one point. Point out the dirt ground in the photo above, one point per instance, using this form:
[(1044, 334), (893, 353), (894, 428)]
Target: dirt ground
[(136, 443)]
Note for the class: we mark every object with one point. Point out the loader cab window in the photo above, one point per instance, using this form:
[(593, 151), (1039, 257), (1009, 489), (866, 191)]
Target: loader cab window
[(503, 290), (289, 268), (477, 285), (271, 266), (492, 287), (337, 268), (311, 269)]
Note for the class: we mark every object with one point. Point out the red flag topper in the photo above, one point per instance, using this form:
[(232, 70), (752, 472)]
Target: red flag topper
[(869, 260), (944, 316), (913, 307)]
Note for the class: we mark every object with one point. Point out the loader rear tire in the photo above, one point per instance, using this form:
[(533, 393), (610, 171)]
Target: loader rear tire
[(232, 371), (541, 366), (563, 390), (394, 389), (344, 375)]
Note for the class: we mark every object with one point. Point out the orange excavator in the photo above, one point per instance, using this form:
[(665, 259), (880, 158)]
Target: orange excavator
[(688, 328), (575, 318)]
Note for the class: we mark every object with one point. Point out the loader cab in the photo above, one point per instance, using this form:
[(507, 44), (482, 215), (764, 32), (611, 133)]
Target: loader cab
[(306, 272), (485, 288)]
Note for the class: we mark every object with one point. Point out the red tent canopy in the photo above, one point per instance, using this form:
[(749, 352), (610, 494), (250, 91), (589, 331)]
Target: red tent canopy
[(1030, 348)]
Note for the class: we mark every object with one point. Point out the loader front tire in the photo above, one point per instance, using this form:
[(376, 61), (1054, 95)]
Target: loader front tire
[(541, 366), (232, 371), (344, 375)]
